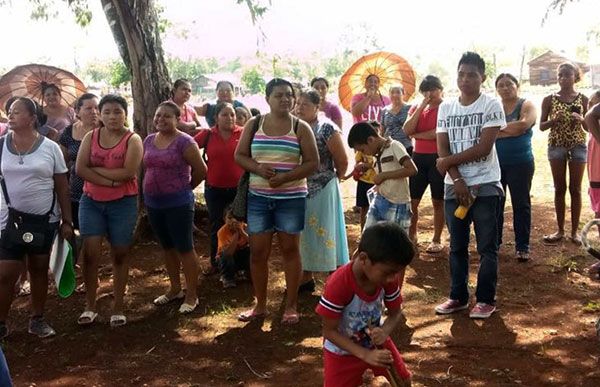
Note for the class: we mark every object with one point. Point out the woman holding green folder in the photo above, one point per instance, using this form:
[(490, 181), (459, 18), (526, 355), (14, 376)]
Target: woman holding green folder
[(35, 187)]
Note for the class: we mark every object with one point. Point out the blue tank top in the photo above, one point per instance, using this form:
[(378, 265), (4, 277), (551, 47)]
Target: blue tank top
[(515, 150)]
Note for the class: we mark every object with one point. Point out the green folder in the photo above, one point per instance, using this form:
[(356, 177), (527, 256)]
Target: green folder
[(63, 267)]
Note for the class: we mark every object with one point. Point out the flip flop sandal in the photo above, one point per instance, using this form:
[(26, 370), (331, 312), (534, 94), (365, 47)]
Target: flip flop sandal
[(24, 289), (164, 299), (250, 315), (87, 318), (290, 318), (553, 238), (434, 248), (117, 320), (188, 308), (80, 289)]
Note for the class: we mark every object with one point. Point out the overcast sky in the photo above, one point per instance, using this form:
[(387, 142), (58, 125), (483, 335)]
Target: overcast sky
[(221, 28)]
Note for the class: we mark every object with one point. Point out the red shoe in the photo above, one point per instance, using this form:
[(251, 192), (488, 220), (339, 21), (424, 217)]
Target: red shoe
[(482, 310), (450, 306)]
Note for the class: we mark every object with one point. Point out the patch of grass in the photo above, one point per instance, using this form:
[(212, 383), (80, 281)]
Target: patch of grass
[(427, 294), (562, 263), (220, 310), (591, 307)]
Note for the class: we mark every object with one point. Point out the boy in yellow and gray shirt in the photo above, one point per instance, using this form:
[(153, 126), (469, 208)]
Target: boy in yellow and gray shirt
[(390, 198)]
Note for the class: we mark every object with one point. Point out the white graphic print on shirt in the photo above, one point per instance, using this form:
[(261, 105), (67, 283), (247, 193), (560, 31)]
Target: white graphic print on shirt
[(464, 125)]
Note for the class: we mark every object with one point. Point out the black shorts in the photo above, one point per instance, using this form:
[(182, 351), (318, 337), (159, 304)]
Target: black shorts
[(13, 252), (361, 193), (173, 227), (427, 175)]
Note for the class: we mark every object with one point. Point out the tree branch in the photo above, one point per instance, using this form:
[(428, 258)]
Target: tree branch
[(556, 5)]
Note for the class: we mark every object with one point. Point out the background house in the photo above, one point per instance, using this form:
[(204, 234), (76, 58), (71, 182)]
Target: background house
[(205, 85), (542, 70)]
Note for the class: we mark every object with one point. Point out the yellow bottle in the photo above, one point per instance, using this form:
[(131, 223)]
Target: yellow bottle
[(462, 211)]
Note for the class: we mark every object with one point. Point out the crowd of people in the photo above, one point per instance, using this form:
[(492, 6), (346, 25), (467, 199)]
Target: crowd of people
[(75, 171)]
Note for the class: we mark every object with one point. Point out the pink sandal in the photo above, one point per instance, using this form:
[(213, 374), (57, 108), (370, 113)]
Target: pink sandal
[(251, 315), (290, 318)]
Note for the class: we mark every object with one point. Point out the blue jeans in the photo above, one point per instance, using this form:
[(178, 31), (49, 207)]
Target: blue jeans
[(217, 199), (484, 216), (518, 178), (4, 374), (381, 209)]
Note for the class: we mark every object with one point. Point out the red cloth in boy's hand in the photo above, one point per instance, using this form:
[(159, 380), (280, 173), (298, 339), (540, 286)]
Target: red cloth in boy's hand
[(356, 173)]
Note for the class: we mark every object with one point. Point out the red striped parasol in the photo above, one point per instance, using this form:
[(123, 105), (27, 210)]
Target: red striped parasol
[(32, 79)]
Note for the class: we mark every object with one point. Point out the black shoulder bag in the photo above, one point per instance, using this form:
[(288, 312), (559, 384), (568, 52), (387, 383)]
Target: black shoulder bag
[(24, 229), (239, 206)]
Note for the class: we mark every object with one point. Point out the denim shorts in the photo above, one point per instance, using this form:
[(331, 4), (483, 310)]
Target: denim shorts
[(381, 209), (173, 227), (268, 215), (578, 153), (114, 219)]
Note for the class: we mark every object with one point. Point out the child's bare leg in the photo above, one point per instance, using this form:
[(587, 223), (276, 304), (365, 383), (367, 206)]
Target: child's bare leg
[(412, 233), (363, 216)]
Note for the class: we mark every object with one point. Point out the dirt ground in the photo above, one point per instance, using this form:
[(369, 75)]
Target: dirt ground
[(542, 334)]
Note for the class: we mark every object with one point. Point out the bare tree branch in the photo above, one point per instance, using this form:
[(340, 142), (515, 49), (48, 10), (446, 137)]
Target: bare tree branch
[(557, 6)]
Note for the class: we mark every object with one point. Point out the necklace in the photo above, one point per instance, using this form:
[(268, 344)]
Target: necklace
[(22, 155)]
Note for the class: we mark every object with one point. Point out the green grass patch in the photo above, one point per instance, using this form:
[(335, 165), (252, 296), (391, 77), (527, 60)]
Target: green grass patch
[(222, 309), (427, 294), (591, 307), (562, 263)]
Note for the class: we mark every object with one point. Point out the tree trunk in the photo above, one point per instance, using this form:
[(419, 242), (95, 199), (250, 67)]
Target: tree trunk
[(134, 26)]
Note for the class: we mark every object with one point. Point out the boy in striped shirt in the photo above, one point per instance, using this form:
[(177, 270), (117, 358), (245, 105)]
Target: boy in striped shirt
[(356, 337)]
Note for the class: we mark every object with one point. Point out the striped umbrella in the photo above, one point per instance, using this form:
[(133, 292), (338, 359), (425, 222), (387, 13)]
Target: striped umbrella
[(31, 80), (388, 67)]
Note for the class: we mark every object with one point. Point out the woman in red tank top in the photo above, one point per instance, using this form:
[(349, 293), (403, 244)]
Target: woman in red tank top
[(108, 162)]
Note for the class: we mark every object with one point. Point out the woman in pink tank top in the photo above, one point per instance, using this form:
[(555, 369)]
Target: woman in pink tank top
[(108, 162)]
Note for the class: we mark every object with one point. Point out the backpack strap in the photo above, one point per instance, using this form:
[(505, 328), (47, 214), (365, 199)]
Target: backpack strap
[(2, 182), (255, 127)]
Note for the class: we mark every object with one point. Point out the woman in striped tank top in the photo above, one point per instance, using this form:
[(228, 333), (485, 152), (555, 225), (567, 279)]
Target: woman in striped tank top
[(280, 156)]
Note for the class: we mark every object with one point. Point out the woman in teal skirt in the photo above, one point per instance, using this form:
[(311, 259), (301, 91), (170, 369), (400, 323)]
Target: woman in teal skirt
[(323, 243)]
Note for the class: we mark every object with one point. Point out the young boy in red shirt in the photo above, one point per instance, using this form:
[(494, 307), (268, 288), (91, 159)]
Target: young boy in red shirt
[(356, 337)]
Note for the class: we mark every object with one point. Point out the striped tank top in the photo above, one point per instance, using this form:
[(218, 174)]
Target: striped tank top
[(282, 153)]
